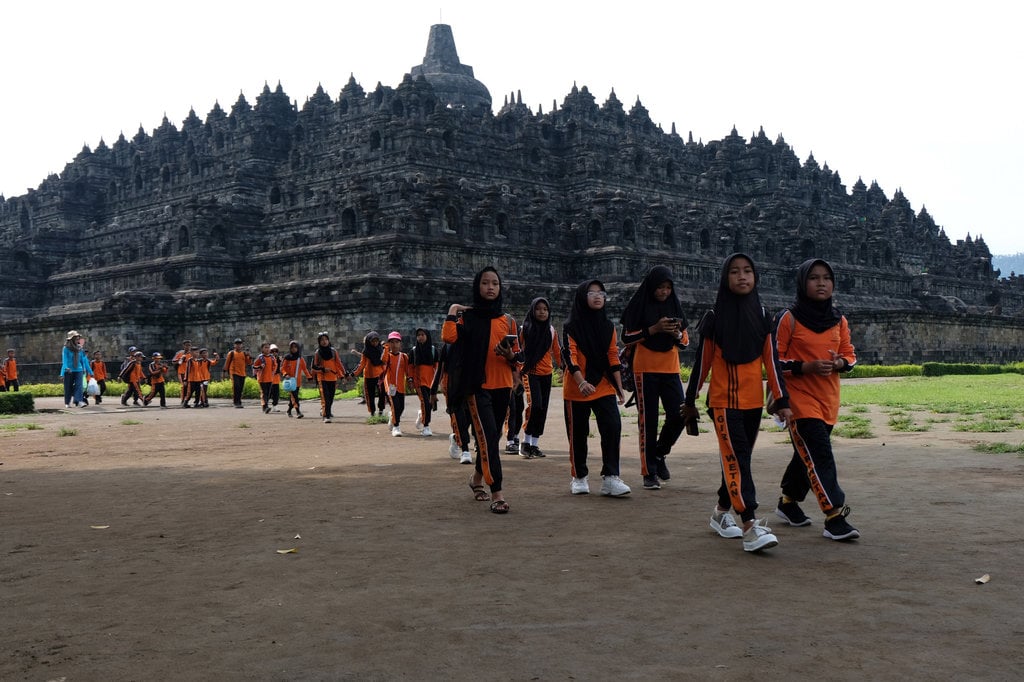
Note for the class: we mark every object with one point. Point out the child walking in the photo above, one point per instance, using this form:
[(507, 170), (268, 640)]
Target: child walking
[(327, 369), (735, 344), (482, 377), (266, 367), (10, 371), (653, 323), (198, 373), (371, 367), (396, 376), (293, 365), (541, 354), (458, 440), (157, 378), (813, 340), (99, 373), (423, 364), (591, 356)]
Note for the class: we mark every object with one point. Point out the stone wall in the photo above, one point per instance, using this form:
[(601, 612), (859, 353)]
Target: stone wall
[(348, 308)]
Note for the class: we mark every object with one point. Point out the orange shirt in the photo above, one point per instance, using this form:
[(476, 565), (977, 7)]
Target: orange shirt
[(266, 367), (370, 370), (329, 370), (547, 362), (157, 372), (180, 360), (135, 374), (99, 370), (658, 362), (199, 369), (571, 390), (235, 362), (733, 386), (295, 368), (396, 371), (813, 396), (11, 369), (497, 371)]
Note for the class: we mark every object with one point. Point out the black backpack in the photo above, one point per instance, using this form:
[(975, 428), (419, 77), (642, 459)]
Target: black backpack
[(626, 372)]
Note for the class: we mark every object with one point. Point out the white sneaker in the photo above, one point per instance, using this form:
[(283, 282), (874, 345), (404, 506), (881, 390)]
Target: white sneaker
[(466, 458), (614, 487), (758, 537), (419, 420), (396, 431), (327, 420), (579, 486), (453, 447), (427, 431), (724, 524)]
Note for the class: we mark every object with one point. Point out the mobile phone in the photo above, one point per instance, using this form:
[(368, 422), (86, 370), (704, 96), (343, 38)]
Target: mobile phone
[(510, 340)]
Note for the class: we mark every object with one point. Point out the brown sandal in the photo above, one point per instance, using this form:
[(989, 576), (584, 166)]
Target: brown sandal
[(479, 492), (499, 507)]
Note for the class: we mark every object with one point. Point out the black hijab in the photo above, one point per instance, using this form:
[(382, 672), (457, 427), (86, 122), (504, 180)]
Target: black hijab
[(643, 310), (818, 316), (325, 352), (592, 331), (737, 324), (298, 351), (536, 335), (375, 354), (423, 353), (475, 338)]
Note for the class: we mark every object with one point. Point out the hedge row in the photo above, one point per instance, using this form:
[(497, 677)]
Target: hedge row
[(16, 403)]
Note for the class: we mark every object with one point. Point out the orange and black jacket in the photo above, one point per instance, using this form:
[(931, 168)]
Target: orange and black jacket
[(199, 369), (328, 370), (235, 362), (157, 370), (497, 370), (576, 360), (813, 396), (736, 386)]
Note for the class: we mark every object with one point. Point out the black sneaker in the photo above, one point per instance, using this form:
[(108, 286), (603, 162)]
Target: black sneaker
[(536, 451), (662, 469), (526, 452), (791, 513), (651, 483), (838, 528)]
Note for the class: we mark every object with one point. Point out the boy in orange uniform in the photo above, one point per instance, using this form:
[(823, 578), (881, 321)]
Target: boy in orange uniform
[(267, 367), (157, 373), (813, 340), (180, 362), (396, 375), (132, 375), (198, 373), (99, 372), (236, 364), (10, 371)]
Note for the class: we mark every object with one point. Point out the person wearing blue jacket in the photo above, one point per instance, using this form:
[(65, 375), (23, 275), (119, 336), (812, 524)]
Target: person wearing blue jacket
[(74, 366)]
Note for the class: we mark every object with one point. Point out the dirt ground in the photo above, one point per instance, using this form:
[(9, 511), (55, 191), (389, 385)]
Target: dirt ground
[(148, 546)]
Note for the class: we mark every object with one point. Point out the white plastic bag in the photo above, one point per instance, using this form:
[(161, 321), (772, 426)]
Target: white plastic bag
[(92, 388)]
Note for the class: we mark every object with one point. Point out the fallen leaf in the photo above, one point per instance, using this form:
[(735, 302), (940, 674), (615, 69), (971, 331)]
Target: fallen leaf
[(293, 550), (983, 579), (99, 527)]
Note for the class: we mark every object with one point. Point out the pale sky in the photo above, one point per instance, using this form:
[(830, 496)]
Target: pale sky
[(923, 96)]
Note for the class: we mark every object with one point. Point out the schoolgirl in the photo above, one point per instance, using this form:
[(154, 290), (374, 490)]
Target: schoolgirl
[(266, 366), (486, 358), (396, 376), (458, 440), (371, 368), (294, 365), (327, 369), (422, 367), (735, 344), (541, 354), (813, 340), (653, 323), (591, 357)]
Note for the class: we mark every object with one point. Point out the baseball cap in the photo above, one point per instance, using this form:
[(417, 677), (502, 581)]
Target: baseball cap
[(394, 335)]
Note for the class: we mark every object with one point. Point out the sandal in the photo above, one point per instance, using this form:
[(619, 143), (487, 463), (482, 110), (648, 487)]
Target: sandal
[(499, 507), (480, 493)]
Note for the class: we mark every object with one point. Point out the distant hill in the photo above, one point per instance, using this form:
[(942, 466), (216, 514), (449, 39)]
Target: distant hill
[(1008, 264)]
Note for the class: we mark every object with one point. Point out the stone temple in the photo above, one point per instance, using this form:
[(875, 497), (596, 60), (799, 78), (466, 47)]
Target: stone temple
[(372, 210)]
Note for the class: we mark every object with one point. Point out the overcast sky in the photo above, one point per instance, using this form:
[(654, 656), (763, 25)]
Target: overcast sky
[(923, 96)]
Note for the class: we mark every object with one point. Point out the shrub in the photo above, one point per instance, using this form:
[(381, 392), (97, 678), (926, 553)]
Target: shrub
[(17, 403)]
